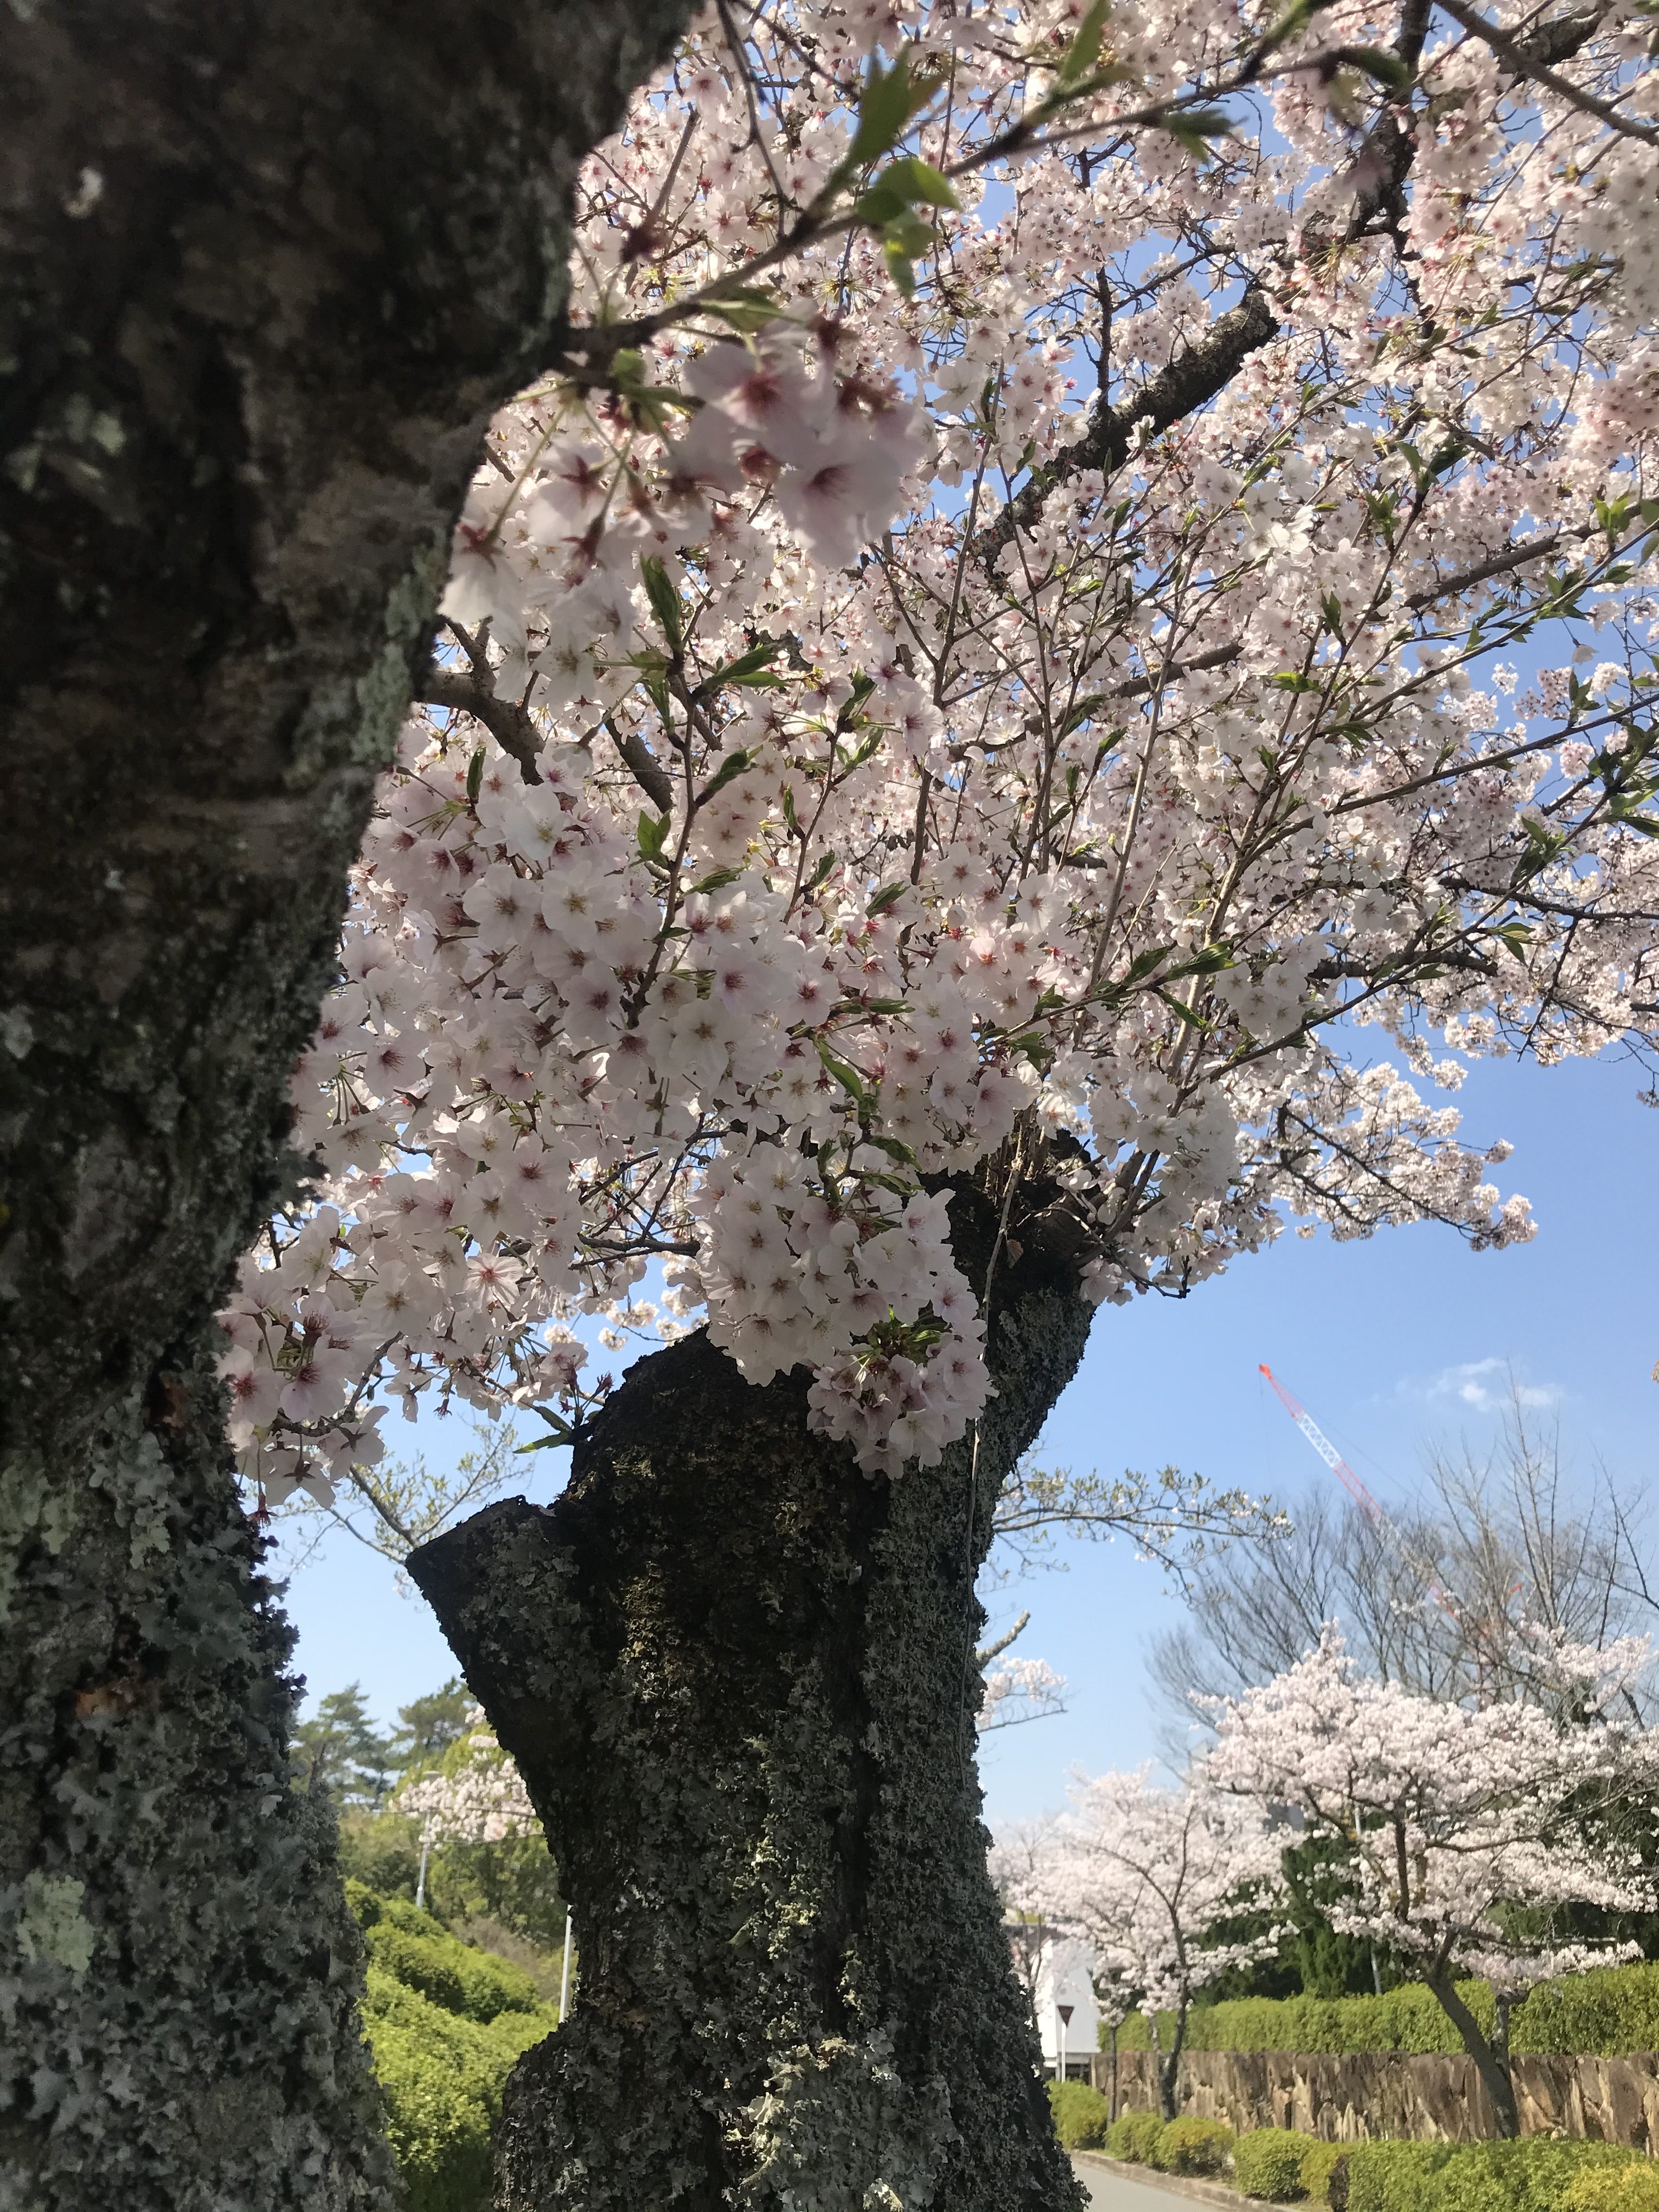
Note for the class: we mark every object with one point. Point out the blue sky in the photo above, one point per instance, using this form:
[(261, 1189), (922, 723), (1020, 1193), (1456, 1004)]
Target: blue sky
[(1386, 1342)]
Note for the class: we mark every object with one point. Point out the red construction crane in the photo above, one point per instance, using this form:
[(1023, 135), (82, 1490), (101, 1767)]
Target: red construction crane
[(1356, 1490)]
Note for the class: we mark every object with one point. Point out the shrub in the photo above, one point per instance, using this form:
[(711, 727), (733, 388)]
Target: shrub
[(1320, 2162), (1268, 2163), (1519, 2177), (1132, 2136), (1601, 2014), (1391, 2177), (445, 2025), (1191, 2145), (442, 2076), (1081, 2114), (1633, 2188), (1409, 2018), (1610, 2009), (411, 1945)]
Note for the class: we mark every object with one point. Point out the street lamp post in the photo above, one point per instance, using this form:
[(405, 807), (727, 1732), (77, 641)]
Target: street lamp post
[(1064, 2014), (420, 1879), (564, 1971)]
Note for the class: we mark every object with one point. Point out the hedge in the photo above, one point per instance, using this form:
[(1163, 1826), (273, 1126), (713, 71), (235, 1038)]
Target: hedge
[(1598, 2014), (1491, 2177), (1613, 2188), (1540, 2175), (445, 2024), (1191, 2145), (1267, 2164), (1133, 2136), (1081, 2114)]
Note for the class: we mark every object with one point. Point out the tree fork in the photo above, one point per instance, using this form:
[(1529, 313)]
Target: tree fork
[(736, 1674), (265, 272)]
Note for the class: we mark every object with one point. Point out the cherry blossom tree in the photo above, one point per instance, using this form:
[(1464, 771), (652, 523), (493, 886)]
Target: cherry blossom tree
[(901, 851), (477, 1797), (1461, 1826), (894, 854), (1143, 1875), (268, 271)]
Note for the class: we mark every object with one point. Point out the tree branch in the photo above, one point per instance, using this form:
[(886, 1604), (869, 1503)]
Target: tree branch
[(508, 722), (1195, 377), (1523, 57)]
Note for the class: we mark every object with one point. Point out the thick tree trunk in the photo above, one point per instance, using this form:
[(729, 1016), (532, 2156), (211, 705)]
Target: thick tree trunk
[(265, 271), (737, 1675)]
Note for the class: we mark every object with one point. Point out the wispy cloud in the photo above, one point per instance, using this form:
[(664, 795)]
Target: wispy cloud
[(1485, 1386)]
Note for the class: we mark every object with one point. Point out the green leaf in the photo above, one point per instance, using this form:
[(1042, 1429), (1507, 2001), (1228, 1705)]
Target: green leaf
[(896, 1149), (475, 768), (889, 101), (818, 873), (888, 895), (1185, 1012), (1388, 70), (746, 308), (749, 668), (717, 880), (848, 1078), (1290, 680), (1194, 127), (653, 832), (900, 187), (732, 765), (1144, 962), (665, 603), (1083, 52)]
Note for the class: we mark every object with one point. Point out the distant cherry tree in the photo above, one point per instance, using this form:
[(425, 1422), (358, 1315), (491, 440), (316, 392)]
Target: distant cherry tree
[(1462, 1827)]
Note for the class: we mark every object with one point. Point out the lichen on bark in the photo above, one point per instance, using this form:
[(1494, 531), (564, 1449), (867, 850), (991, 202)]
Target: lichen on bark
[(736, 1674), (264, 273)]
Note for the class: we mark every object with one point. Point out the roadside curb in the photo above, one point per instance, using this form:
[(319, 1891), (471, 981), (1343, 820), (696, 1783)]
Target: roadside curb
[(1176, 2184)]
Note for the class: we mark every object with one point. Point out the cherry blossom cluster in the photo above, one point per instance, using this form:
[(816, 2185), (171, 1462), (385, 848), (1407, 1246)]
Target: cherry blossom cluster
[(997, 650), (477, 1797), (1020, 1690), (1458, 1821), (1143, 1875)]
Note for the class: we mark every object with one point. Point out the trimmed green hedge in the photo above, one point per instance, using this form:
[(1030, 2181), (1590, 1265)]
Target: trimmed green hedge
[(1613, 2188), (1081, 2114), (1133, 2136), (1494, 2177), (1539, 2175), (1598, 2014), (1267, 2164), (1192, 2146), (447, 2023)]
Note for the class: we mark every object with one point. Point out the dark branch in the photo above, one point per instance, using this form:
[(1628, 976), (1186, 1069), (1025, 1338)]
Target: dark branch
[(508, 722), (1194, 378), (646, 770)]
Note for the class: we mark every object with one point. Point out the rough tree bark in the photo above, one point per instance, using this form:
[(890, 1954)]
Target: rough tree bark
[(264, 271), (736, 1674)]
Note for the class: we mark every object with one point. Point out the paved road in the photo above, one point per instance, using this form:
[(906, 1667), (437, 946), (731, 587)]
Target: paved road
[(1107, 2193)]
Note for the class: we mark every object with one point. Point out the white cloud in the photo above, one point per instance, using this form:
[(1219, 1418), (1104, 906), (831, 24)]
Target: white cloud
[(1485, 1386)]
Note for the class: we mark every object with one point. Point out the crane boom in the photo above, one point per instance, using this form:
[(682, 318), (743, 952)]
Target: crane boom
[(1356, 1490), (1328, 1452)]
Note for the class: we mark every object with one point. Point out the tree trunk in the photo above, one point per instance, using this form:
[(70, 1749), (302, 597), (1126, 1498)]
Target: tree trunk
[(264, 271), (736, 1676), (1491, 2061), (1168, 2071)]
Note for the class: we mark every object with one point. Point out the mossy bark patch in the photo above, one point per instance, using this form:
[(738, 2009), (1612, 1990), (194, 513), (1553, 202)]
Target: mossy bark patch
[(735, 1674)]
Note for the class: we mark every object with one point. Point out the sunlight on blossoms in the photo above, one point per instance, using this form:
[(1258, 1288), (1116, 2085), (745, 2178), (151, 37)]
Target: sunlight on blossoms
[(994, 655)]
